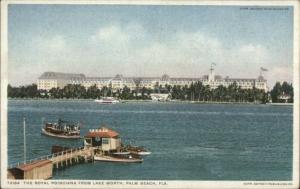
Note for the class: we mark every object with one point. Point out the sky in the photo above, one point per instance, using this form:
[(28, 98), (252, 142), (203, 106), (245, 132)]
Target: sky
[(149, 40)]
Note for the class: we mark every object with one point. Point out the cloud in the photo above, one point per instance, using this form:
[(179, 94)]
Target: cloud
[(114, 36), (130, 50), (253, 54), (244, 60), (187, 54), (46, 53), (53, 44), (110, 34), (281, 73)]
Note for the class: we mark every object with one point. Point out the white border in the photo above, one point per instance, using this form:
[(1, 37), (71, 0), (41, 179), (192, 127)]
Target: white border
[(296, 81), (171, 184), (4, 82), (160, 2)]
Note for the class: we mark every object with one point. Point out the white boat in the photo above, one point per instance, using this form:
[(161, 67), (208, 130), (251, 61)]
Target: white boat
[(107, 100), (137, 150), (125, 159)]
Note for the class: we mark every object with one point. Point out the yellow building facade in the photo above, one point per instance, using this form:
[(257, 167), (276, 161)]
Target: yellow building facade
[(50, 80)]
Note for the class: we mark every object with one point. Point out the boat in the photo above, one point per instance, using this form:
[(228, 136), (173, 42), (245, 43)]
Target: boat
[(121, 153), (137, 150), (107, 100), (62, 129), (125, 158)]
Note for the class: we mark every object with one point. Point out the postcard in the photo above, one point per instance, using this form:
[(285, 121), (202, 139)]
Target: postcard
[(149, 94)]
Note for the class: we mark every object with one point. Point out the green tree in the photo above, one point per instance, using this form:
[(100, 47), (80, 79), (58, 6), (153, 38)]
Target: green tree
[(93, 92), (74, 91), (29, 91), (276, 92), (56, 93), (126, 94)]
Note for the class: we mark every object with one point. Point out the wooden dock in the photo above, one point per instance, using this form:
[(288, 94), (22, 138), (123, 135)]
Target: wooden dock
[(42, 167), (71, 156)]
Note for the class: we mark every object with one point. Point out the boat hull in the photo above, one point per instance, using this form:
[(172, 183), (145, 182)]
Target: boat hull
[(102, 101), (59, 136), (113, 159), (144, 153)]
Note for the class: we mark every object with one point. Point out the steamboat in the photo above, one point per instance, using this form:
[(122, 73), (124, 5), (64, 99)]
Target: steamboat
[(62, 129)]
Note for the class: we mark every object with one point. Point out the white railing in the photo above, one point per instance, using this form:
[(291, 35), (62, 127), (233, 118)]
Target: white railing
[(46, 157)]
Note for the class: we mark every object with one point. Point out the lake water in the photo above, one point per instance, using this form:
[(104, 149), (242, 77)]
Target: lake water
[(187, 141)]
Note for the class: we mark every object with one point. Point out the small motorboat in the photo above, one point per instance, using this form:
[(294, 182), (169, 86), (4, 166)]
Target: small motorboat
[(137, 150), (118, 158)]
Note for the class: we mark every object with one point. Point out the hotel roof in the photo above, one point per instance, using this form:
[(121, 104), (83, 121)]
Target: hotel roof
[(59, 75)]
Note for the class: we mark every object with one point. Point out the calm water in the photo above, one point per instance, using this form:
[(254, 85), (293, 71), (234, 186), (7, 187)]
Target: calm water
[(187, 141)]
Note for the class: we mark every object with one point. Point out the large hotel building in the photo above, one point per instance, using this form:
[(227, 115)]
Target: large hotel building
[(50, 80)]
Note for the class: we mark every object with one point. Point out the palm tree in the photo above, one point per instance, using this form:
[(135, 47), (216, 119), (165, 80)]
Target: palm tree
[(93, 92), (156, 88), (137, 82), (126, 93), (206, 93)]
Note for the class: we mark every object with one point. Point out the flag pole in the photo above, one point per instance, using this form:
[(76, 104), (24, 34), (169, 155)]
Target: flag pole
[(24, 132), (260, 73), (262, 70)]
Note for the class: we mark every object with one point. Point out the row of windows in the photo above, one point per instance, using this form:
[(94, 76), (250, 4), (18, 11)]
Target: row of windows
[(49, 84), (46, 82), (144, 82)]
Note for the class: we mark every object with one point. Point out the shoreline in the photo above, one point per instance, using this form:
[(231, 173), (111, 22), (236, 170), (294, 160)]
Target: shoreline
[(151, 101)]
